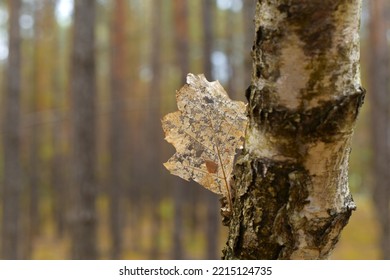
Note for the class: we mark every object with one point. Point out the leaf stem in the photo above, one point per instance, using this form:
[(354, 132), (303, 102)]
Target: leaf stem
[(229, 197), (225, 179)]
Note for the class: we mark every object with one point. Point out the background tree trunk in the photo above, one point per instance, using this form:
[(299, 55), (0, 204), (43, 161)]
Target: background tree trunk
[(154, 132), (59, 164), (380, 112), (84, 143), (42, 88), (290, 185), (212, 219), (11, 220), (118, 137), (180, 9)]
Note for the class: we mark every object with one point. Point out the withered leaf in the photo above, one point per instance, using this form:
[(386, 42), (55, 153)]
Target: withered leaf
[(206, 131)]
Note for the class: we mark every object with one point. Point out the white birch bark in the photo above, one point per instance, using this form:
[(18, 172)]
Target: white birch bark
[(291, 196)]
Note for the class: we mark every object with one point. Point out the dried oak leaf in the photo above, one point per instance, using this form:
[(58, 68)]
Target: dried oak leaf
[(206, 132)]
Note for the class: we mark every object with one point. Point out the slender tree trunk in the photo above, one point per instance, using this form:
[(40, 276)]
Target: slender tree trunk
[(42, 87), (212, 219), (154, 133), (58, 169), (118, 137), (84, 158), (181, 46), (10, 235), (58, 182), (380, 112), (290, 185), (60, 176), (134, 196)]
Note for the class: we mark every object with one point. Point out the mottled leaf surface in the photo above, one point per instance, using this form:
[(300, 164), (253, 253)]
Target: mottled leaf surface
[(206, 132)]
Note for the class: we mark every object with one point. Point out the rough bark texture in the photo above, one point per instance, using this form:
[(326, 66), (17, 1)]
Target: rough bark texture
[(11, 224), (84, 144), (290, 185), (380, 102)]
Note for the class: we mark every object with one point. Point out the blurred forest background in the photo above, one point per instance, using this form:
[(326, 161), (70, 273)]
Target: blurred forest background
[(83, 87)]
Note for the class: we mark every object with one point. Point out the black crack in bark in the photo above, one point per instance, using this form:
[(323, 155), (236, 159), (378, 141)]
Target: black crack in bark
[(262, 193), (267, 40)]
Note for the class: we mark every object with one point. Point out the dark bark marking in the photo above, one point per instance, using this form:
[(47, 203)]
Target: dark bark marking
[(313, 21), (266, 41), (325, 122)]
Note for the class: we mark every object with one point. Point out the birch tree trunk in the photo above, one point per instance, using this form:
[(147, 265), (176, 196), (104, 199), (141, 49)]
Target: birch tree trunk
[(290, 185)]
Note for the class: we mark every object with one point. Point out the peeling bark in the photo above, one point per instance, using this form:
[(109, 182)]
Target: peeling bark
[(290, 185)]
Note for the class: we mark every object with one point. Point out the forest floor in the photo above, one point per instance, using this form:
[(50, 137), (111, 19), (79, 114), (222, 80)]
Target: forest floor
[(358, 241)]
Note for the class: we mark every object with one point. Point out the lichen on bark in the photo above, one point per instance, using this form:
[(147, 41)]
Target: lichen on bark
[(290, 185)]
